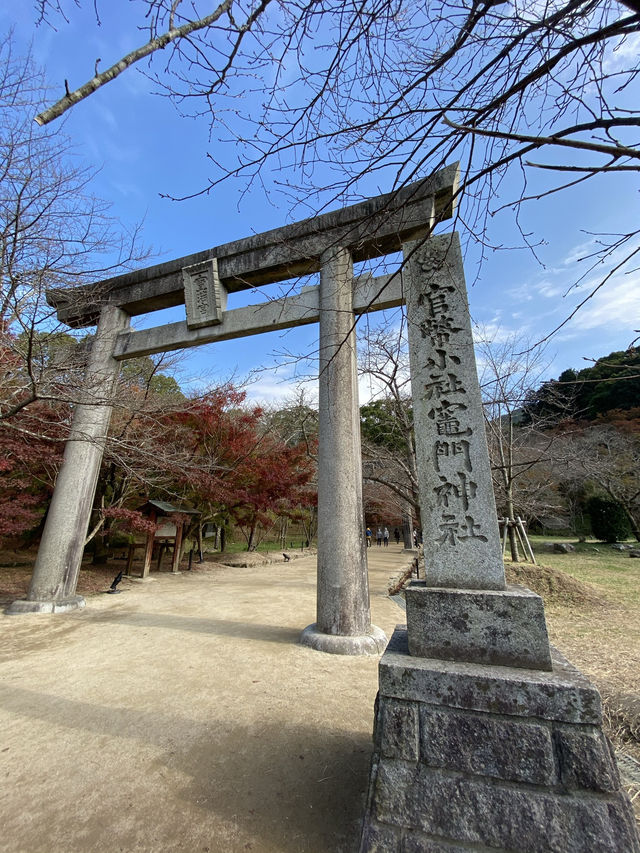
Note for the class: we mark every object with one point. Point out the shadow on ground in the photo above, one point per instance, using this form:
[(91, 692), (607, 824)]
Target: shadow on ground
[(282, 786), (221, 627)]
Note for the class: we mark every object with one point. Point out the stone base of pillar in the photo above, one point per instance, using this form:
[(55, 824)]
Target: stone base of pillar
[(504, 627), (74, 602), (373, 643), (470, 757)]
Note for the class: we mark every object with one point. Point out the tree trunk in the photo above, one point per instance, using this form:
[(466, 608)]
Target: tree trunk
[(252, 534), (513, 541), (101, 549)]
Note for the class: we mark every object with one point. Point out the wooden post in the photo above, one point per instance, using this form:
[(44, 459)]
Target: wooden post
[(525, 538), (505, 522), (520, 539), (177, 547), (149, 549), (130, 556), (162, 547), (200, 557)]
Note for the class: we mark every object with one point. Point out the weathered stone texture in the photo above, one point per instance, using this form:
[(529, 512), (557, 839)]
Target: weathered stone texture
[(470, 811), (53, 585), (418, 842), (563, 694), (370, 229), (504, 627), (487, 746), (343, 623), (507, 761), (382, 839), (585, 760), (399, 730), (205, 298), (457, 504)]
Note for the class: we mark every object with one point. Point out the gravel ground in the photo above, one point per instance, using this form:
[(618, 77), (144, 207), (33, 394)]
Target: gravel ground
[(183, 715)]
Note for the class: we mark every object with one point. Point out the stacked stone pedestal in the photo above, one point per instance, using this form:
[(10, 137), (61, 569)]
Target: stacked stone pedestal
[(476, 757)]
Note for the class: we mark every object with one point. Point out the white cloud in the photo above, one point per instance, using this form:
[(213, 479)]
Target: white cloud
[(521, 293), (548, 290), (626, 49), (580, 251), (278, 385), (493, 333), (616, 304)]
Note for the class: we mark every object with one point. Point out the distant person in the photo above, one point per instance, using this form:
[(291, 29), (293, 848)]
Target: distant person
[(379, 537), (396, 535), (385, 537), (368, 537)]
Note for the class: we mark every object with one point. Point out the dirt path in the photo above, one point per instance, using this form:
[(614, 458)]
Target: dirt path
[(182, 715)]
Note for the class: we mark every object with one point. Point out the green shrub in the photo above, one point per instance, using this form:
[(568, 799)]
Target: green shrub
[(609, 522)]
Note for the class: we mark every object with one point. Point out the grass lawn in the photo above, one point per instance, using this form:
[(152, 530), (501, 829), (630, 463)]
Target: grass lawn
[(599, 564), (240, 546)]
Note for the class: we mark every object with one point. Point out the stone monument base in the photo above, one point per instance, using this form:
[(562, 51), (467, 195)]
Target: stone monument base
[(473, 757), (74, 602), (373, 643), (505, 627)]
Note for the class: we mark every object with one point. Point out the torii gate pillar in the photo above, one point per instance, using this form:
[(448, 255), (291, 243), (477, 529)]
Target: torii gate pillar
[(343, 624), (55, 575)]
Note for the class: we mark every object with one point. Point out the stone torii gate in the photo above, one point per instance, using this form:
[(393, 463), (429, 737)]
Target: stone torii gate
[(485, 737), (328, 244)]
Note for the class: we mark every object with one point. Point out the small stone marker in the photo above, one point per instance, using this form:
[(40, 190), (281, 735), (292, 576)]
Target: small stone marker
[(205, 298)]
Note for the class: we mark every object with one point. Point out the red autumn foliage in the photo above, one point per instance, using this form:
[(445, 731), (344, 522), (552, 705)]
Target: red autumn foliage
[(229, 460), (131, 520)]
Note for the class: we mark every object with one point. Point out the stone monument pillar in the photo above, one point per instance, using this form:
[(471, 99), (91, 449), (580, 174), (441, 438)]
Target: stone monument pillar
[(458, 512), (343, 621), (55, 575), (485, 738)]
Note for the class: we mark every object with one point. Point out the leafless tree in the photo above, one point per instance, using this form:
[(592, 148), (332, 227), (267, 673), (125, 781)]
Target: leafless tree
[(53, 232), (608, 456), (521, 450), (389, 456)]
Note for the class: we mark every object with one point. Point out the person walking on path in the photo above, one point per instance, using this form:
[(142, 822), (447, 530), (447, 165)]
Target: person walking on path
[(379, 537), (396, 535), (386, 537), (368, 537)]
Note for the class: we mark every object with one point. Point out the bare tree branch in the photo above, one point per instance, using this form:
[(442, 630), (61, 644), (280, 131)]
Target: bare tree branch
[(70, 98)]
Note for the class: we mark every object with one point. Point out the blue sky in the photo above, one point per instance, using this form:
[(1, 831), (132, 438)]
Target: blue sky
[(143, 148)]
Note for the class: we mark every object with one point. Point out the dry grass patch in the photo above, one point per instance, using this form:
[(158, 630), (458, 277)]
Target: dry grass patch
[(555, 587)]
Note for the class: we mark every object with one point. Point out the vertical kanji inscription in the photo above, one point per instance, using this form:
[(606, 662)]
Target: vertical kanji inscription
[(459, 522), (204, 296)]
